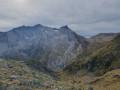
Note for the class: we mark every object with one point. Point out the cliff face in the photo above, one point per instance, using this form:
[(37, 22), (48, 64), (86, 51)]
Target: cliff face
[(53, 47)]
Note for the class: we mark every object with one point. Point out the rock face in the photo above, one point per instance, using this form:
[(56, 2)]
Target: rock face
[(53, 47)]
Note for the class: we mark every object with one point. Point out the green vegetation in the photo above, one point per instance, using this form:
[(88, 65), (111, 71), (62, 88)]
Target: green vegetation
[(75, 66), (107, 58), (101, 61)]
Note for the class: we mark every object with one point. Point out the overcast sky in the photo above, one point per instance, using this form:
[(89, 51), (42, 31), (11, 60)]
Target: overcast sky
[(86, 17)]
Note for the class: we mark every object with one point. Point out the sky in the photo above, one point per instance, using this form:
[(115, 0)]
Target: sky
[(85, 17)]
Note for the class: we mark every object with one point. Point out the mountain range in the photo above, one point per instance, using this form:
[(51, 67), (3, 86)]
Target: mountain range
[(41, 57), (52, 47)]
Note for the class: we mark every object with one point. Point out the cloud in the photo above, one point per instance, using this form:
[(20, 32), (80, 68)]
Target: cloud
[(86, 17)]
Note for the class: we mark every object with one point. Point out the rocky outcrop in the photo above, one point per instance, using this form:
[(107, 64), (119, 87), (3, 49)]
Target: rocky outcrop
[(16, 75)]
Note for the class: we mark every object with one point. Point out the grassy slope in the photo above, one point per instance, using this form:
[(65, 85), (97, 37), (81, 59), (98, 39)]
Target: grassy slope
[(109, 81), (101, 61), (107, 58)]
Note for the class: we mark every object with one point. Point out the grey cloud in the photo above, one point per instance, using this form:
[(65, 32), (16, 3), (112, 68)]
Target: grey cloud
[(86, 17)]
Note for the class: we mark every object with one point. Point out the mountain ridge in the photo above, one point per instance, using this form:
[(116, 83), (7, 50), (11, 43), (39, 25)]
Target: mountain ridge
[(43, 43)]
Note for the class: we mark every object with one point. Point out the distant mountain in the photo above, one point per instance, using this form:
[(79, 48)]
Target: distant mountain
[(52, 47), (98, 41), (101, 61)]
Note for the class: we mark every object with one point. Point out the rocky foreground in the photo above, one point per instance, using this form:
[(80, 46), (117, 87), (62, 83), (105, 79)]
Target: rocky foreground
[(16, 75)]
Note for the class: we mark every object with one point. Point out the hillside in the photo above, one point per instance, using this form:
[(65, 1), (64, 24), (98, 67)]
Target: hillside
[(101, 61), (109, 81), (107, 58), (98, 41), (16, 75)]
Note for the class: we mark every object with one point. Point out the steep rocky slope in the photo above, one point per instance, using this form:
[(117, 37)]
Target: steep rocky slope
[(52, 47), (101, 61)]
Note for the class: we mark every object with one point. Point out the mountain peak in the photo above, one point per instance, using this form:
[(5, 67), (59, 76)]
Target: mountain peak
[(64, 27), (38, 25), (20, 27), (27, 27)]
